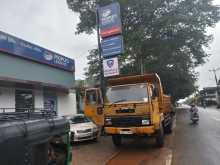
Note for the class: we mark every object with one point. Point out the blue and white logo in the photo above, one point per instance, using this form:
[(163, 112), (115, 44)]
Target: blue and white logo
[(48, 56), (106, 13), (110, 63)]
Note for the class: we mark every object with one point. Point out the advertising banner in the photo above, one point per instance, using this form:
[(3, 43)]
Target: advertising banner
[(20, 48), (112, 46), (111, 67), (110, 20)]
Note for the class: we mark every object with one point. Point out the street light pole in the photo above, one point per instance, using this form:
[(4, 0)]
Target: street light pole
[(214, 70)]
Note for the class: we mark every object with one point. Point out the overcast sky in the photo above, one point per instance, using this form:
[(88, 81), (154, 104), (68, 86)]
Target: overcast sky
[(50, 24)]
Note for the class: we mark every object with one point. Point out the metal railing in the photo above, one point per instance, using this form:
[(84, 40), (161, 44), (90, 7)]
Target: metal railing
[(25, 113)]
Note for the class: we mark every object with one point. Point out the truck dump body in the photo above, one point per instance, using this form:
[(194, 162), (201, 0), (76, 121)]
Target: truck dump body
[(151, 78), (25, 136)]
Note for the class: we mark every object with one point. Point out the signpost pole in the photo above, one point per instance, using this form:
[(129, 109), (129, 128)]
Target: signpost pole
[(100, 54)]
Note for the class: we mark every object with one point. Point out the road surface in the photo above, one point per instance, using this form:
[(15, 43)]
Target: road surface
[(188, 145), (132, 152), (197, 144), (143, 152)]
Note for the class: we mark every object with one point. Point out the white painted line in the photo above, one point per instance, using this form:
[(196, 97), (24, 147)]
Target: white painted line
[(217, 119), (169, 159)]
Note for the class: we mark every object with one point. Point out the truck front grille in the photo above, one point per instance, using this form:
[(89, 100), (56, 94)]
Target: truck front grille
[(128, 121)]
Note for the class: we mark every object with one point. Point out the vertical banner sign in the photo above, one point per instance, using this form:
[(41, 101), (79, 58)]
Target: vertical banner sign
[(111, 67), (110, 20), (112, 46)]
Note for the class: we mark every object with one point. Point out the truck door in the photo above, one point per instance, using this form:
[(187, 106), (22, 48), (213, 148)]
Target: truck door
[(93, 106)]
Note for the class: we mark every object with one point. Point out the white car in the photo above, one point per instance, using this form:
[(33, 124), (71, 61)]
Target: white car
[(82, 128)]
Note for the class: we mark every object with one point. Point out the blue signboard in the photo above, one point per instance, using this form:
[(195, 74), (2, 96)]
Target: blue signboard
[(27, 50), (112, 46), (110, 20)]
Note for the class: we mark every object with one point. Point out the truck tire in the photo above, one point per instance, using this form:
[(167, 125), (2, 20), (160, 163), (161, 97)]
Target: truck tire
[(116, 139), (169, 128), (160, 137)]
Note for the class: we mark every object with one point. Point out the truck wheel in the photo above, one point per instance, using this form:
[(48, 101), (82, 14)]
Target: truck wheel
[(160, 137), (169, 128), (116, 139)]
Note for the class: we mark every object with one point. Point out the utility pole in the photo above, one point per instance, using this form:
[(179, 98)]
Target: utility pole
[(214, 70), (102, 85)]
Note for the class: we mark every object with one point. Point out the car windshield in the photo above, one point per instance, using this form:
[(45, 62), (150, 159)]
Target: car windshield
[(122, 93), (79, 119)]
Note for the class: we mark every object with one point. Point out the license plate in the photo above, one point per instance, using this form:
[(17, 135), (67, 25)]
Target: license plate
[(126, 132)]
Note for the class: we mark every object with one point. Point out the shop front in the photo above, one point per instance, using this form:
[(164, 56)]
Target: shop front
[(32, 77)]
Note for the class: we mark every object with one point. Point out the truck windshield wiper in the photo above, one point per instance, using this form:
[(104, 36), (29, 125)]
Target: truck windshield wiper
[(122, 100)]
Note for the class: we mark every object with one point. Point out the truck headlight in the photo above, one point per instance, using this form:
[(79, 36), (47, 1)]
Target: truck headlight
[(145, 122), (108, 121)]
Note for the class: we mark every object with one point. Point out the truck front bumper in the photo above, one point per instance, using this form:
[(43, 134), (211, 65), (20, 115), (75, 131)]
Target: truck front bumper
[(144, 130)]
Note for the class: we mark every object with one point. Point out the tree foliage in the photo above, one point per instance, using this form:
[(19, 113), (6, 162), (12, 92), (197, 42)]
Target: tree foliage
[(167, 36)]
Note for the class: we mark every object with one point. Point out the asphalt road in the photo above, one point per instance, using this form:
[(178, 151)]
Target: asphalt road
[(143, 152), (197, 144), (140, 151)]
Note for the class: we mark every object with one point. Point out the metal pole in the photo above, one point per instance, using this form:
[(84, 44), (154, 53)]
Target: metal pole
[(142, 65), (100, 55), (214, 70)]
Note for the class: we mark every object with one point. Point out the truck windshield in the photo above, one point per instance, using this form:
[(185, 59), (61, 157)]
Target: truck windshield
[(123, 93)]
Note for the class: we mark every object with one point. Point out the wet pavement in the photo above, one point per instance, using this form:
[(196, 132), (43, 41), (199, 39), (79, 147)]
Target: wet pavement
[(143, 152), (197, 144), (140, 151), (188, 145), (93, 153)]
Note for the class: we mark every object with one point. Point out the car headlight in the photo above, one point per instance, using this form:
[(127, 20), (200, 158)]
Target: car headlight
[(108, 121), (72, 129), (145, 122)]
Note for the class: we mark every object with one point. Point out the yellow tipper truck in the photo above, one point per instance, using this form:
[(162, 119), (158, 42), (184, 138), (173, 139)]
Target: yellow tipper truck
[(133, 106)]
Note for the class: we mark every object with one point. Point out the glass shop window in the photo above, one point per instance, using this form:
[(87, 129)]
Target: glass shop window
[(24, 99)]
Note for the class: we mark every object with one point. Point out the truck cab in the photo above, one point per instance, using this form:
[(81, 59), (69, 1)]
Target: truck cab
[(136, 106)]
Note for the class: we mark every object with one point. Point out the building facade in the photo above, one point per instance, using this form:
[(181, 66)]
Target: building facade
[(32, 77)]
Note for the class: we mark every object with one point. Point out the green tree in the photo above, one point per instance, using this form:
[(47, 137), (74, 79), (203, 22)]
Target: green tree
[(166, 36)]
